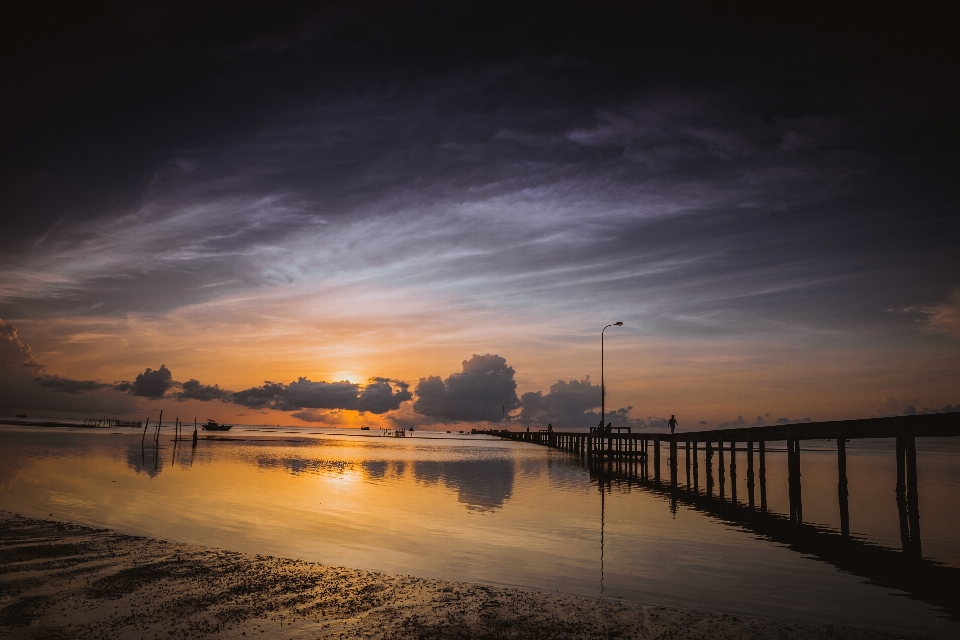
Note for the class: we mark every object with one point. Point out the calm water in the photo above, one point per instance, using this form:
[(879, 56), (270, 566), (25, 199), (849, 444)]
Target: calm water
[(474, 508)]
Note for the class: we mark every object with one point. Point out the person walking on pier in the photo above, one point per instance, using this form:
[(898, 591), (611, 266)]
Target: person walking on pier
[(672, 423)]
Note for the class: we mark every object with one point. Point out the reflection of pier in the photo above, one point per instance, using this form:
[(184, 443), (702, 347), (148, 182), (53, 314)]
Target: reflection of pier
[(622, 458)]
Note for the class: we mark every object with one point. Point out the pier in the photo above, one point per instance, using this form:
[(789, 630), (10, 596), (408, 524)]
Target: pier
[(634, 460)]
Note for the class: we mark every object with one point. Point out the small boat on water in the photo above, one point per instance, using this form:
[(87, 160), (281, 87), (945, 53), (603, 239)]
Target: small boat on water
[(212, 425), (364, 428)]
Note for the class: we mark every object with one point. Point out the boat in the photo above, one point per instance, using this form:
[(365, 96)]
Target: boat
[(212, 425), (364, 428)]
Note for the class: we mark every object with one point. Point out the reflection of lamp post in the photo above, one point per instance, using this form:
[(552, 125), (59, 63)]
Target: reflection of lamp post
[(503, 410), (603, 388)]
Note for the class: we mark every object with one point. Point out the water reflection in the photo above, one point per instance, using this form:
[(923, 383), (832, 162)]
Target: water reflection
[(482, 485), (144, 459), (905, 570)]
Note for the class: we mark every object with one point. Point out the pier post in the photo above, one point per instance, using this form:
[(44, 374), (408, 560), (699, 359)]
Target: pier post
[(673, 462), (709, 462), (901, 491), (733, 473), (761, 453), (750, 484), (696, 469), (842, 486), (656, 459), (646, 459), (793, 471), (687, 474), (721, 471), (913, 497)]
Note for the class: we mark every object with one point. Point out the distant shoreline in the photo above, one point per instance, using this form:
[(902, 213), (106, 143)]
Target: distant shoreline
[(67, 580)]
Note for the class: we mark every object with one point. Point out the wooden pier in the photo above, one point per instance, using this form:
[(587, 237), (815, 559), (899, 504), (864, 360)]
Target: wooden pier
[(624, 457)]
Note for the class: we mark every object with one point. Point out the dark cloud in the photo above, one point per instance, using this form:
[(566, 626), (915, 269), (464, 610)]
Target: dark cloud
[(193, 390), (567, 405), (477, 393), (574, 404), (893, 406), (22, 389), (380, 395), (68, 385), (149, 384)]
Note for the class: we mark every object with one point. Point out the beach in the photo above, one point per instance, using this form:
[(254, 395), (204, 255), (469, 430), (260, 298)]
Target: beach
[(62, 580)]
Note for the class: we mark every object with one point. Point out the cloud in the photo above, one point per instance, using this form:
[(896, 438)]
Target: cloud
[(942, 318), (477, 393), (379, 396), (193, 390), (567, 405), (68, 385), (892, 406), (573, 404), (149, 384), (765, 419), (21, 388)]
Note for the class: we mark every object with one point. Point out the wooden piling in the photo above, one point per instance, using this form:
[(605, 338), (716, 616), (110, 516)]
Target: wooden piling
[(673, 462), (656, 459), (750, 483), (721, 472), (733, 472), (913, 497), (842, 486), (709, 463), (696, 469), (687, 474), (761, 453)]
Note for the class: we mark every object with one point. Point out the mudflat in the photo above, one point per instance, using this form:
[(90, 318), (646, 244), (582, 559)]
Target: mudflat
[(62, 580)]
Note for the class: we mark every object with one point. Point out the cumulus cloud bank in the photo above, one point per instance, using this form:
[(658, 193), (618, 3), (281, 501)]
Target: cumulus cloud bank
[(380, 395), (477, 393), (149, 384), (193, 390)]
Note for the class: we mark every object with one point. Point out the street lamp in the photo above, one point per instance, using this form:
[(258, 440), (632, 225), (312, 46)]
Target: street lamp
[(603, 388)]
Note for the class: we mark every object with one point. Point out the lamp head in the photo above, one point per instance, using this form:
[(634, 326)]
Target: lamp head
[(619, 324)]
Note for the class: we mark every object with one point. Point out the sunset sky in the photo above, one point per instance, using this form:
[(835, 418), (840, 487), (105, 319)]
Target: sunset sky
[(409, 213)]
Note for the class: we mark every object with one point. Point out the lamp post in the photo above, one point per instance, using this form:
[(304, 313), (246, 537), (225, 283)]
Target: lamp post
[(603, 388), (503, 410)]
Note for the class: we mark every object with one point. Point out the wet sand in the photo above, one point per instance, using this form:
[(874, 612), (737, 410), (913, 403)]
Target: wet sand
[(61, 580)]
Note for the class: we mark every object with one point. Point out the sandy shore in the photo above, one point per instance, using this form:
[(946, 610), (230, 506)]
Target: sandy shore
[(60, 580)]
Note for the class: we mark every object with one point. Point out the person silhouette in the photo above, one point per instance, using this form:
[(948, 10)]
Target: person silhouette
[(672, 423)]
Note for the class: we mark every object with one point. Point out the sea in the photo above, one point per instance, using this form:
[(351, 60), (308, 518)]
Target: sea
[(465, 507)]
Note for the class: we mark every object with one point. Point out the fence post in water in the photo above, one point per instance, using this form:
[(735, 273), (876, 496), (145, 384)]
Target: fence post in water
[(144, 437), (709, 461), (673, 461), (762, 453), (721, 472), (696, 469), (842, 486), (913, 506), (750, 484), (733, 472), (793, 471), (901, 493), (656, 459)]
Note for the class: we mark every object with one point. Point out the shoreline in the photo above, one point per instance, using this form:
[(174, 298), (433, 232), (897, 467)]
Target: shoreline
[(62, 580)]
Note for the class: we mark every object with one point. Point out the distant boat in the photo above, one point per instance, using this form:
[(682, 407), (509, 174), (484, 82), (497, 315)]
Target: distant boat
[(364, 428), (21, 415), (213, 426)]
